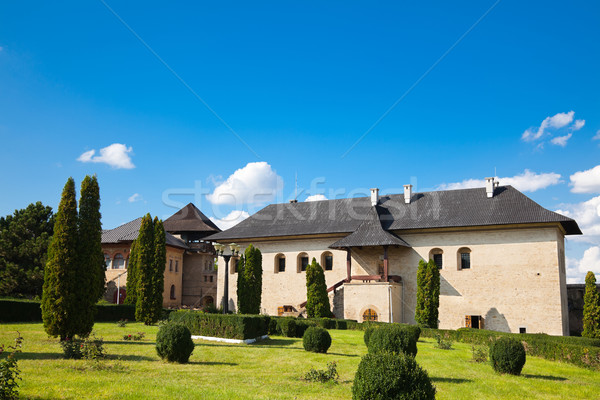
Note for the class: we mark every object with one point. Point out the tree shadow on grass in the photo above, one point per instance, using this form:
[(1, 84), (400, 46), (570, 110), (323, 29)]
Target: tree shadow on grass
[(211, 363), (127, 342), (450, 380), (39, 356), (343, 355), (545, 377), (129, 357)]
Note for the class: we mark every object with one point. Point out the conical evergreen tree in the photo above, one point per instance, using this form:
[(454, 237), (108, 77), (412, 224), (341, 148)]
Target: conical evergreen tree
[(158, 266), (434, 290), (242, 287), (421, 316), (145, 273), (252, 280), (90, 235), (90, 268), (591, 308), (132, 275), (317, 301), (428, 294), (60, 289)]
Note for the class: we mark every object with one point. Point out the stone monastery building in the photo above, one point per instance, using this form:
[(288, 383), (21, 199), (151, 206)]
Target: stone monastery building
[(190, 274), (501, 257)]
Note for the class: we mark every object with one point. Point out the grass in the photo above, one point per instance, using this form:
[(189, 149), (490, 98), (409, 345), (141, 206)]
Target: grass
[(268, 370)]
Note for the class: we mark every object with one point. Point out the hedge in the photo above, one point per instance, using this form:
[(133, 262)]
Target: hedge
[(230, 326), (583, 352), (17, 310)]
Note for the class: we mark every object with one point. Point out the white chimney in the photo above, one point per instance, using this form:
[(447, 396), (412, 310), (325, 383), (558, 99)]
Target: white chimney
[(490, 186), (374, 196), (407, 193)]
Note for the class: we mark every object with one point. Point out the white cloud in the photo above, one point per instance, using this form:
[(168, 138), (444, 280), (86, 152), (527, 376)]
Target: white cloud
[(561, 140), (596, 136), (255, 183), (578, 124), (316, 197), (232, 219), (527, 182), (587, 215), (134, 197), (557, 121), (587, 181), (577, 269), (116, 155)]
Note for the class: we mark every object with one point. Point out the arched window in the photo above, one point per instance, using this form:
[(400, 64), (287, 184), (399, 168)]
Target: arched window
[(464, 258), (279, 263), (370, 315), (172, 292), (437, 256), (302, 262), (327, 261), (118, 261), (107, 260)]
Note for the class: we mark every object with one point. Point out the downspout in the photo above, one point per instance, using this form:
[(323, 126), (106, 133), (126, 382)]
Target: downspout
[(390, 301)]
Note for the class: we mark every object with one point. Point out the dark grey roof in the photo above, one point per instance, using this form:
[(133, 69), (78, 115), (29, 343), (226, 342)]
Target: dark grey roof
[(440, 209), (190, 219), (370, 233), (129, 232)]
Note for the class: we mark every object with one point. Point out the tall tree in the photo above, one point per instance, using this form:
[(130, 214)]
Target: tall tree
[(591, 308), (60, 289), (242, 288), (90, 237), (24, 239), (317, 300), (251, 281), (158, 266), (145, 274), (428, 294), (132, 275)]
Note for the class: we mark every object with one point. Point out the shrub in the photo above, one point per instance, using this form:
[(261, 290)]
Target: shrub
[(319, 375), (480, 353), (507, 356), (391, 376), (394, 339), (316, 339), (368, 333), (9, 371), (90, 348), (443, 342), (301, 327), (287, 326), (136, 337), (12, 310), (122, 323), (232, 326), (272, 326), (174, 343)]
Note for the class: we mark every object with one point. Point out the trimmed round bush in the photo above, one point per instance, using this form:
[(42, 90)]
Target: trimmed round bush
[(316, 339), (391, 376), (301, 327), (174, 343), (368, 332), (392, 339), (507, 356)]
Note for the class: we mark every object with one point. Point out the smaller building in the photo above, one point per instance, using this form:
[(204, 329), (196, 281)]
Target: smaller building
[(576, 294), (190, 278)]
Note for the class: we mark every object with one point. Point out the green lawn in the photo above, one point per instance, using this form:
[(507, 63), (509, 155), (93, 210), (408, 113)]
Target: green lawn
[(268, 370)]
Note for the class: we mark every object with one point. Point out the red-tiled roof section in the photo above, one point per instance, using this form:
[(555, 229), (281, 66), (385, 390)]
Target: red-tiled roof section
[(190, 219)]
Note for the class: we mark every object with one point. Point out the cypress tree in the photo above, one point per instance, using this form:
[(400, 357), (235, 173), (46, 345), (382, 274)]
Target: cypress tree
[(317, 301), (253, 280), (158, 267), (132, 282), (144, 271), (60, 289), (242, 288), (428, 294), (91, 259), (591, 308)]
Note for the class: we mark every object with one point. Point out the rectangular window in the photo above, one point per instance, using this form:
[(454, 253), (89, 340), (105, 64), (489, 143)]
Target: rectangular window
[(437, 259), (304, 263), (522, 330), (205, 277), (465, 260), (235, 265), (328, 263), (170, 265), (210, 278), (281, 264), (176, 266)]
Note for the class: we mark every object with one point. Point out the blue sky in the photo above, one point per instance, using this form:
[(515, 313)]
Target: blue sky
[(293, 87)]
